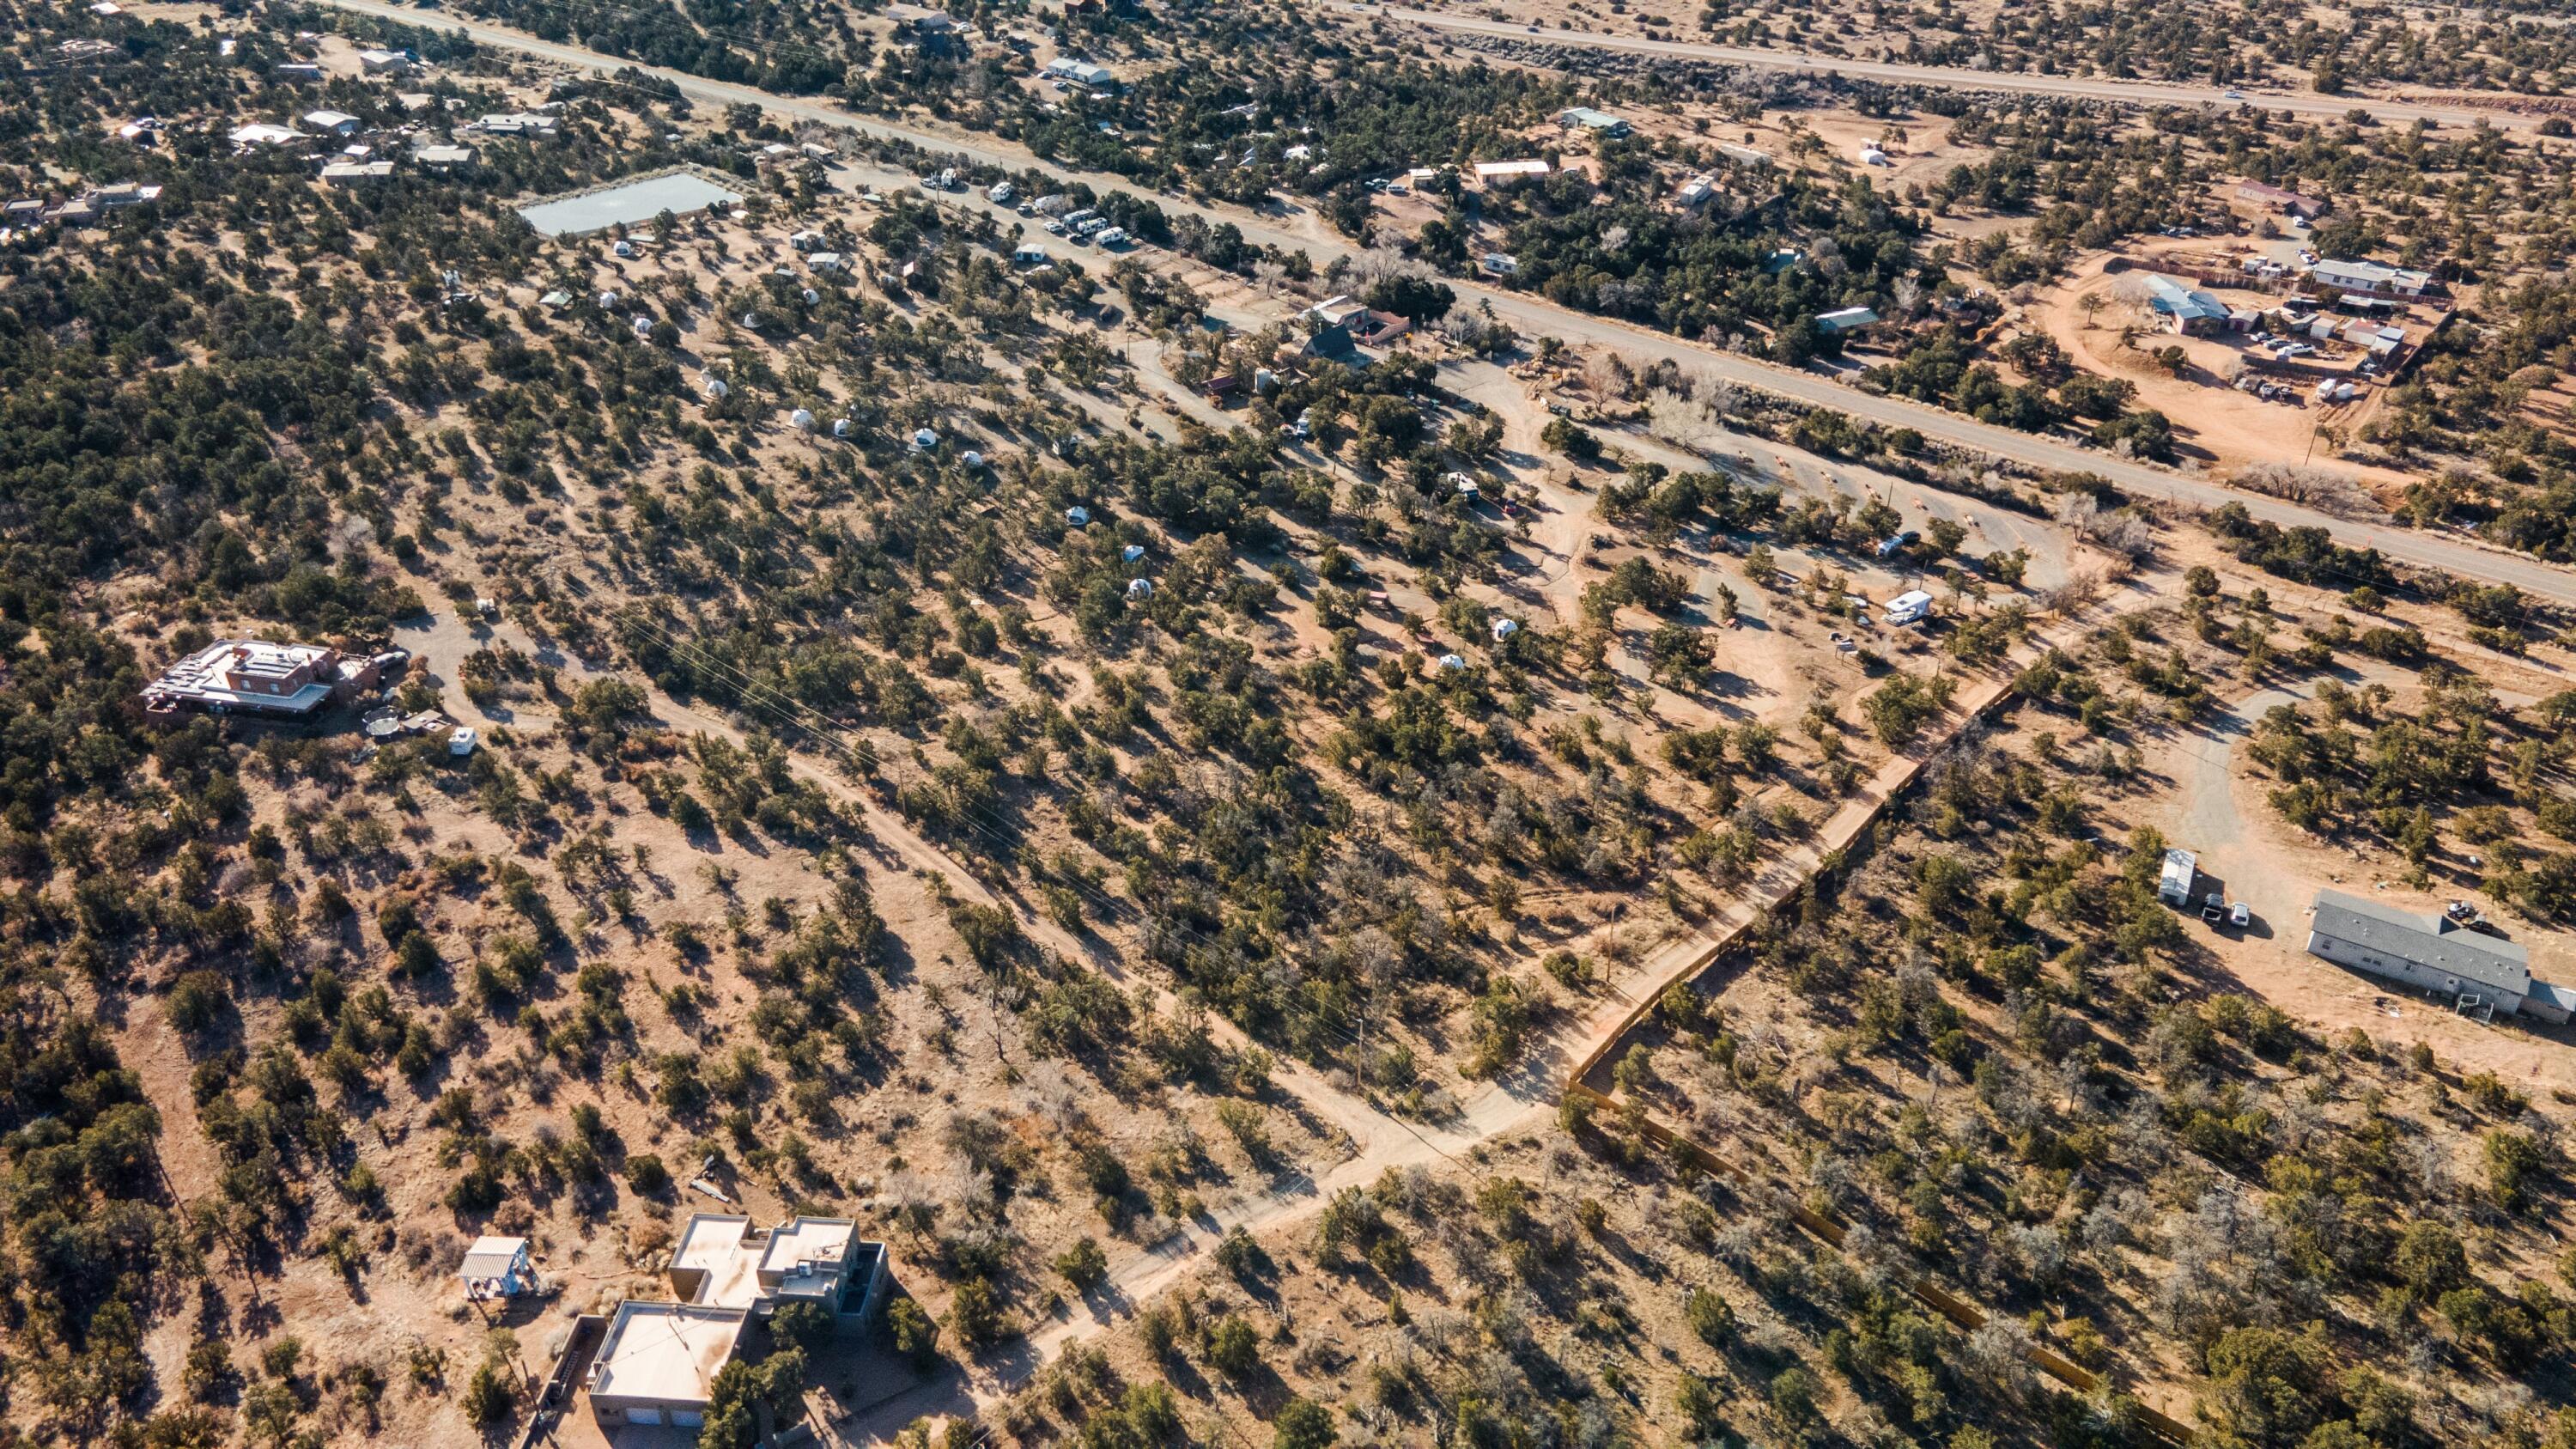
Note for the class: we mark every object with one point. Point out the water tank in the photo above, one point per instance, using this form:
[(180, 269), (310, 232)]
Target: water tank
[(801, 420)]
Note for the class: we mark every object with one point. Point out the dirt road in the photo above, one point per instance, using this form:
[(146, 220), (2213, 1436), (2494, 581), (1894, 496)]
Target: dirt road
[(2250, 854), (2122, 92), (1294, 230)]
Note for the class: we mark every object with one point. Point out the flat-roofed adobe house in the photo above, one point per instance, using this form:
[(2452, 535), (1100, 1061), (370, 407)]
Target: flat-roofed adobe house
[(659, 1362), (252, 676)]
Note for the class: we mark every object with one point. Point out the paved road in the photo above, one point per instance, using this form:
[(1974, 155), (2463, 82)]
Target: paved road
[(2127, 92), (1536, 316)]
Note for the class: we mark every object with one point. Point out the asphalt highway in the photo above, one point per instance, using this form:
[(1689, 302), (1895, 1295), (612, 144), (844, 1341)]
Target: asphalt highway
[(2125, 92), (1535, 316)]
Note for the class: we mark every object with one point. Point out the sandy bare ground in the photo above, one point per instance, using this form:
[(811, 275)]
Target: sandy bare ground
[(1587, 1036), (2217, 808), (2227, 428)]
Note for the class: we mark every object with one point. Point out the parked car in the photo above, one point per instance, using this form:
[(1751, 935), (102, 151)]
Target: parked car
[(2240, 915), (1890, 548)]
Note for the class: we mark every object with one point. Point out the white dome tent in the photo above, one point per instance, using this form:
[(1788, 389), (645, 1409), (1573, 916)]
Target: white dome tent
[(1139, 589), (924, 440), (644, 327), (717, 389), (1505, 628), (1132, 552), (812, 297), (1451, 664), (608, 301), (974, 461), (841, 427), (1078, 516), (801, 420)]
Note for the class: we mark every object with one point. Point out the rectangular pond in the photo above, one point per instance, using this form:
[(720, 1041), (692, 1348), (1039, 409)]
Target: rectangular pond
[(629, 203)]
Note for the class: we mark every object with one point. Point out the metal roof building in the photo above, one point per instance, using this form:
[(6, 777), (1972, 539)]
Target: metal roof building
[(1588, 119), (2433, 954), (2189, 309), (1845, 319)]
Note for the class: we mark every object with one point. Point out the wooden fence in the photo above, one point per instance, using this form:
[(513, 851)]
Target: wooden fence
[(1959, 1311)]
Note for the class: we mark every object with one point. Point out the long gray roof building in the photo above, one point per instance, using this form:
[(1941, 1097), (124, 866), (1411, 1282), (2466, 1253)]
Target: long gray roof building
[(2433, 953)]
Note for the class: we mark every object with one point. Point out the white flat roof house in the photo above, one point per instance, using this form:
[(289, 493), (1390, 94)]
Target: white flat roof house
[(383, 62), (516, 123), (262, 133), (722, 1261), (660, 1359), (337, 123), (659, 1362), (1491, 171)]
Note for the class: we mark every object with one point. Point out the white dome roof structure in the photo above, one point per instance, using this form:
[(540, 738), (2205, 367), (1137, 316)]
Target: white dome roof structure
[(1451, 663), (716, 389), (643, 326), (973, 459), (812, 297), (1140, 588), (841, 427), (608, 301), (1077, 515), (1132, 552), (1505, 628), (801, 420), (624, 249), (923, 440)]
